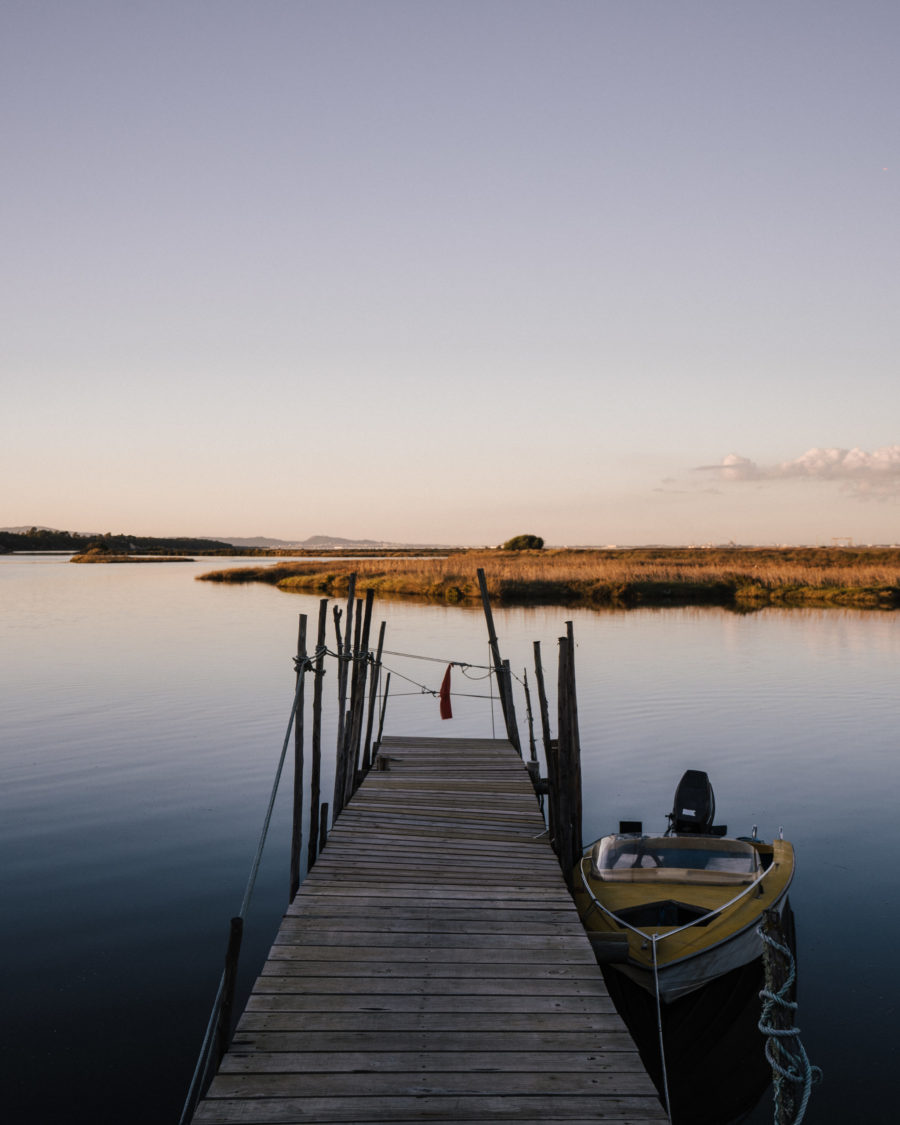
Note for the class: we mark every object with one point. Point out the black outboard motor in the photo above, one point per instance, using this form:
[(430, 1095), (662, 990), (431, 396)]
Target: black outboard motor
[(695, 807)]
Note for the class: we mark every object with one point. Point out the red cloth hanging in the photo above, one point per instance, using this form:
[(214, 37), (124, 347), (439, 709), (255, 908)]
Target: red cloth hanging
[(446, 710)]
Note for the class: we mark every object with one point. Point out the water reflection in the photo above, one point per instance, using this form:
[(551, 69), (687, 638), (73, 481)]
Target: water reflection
[(715, 1064), (143, 714)]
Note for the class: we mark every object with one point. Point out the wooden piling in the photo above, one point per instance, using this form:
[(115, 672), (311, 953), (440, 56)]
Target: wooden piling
[(504, 681), (373, 696), (358, 694), (512, 729), (226, 1012), (315, 779), (544, 710), (297, 828), (532, 748), (551, 746), (779, 1015), (323, 826), (346, 655), (387, 688), (568, 767)]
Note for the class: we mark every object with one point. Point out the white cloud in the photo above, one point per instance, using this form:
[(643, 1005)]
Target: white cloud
[(863, 473)]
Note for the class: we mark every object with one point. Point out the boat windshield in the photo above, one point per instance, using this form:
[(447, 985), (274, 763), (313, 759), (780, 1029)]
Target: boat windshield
[(674, 859)]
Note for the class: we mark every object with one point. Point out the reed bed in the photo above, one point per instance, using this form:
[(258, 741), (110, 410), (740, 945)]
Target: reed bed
[(743, 578)]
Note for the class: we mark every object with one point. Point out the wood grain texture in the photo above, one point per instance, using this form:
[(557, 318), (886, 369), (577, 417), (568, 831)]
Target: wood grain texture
[(432, 968)]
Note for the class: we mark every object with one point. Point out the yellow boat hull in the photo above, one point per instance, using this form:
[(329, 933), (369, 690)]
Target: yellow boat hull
[(682, 927)]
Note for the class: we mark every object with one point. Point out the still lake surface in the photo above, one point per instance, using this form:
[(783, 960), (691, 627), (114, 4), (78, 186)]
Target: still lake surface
[(142, 718)]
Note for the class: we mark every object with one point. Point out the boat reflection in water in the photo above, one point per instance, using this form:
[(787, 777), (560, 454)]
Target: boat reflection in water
[(716, 1068)]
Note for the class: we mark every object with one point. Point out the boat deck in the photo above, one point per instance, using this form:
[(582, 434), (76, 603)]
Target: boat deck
[(433, 968)]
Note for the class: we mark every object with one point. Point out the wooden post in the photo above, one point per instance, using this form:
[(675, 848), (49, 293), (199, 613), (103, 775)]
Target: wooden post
[(778, 972), (360, 671), (373, 694), (323, 826), (223, 1026), (532, 765), (363, 678), (348, 767), (550, 746), (504, 684), (492, 639), (575, 735), (512, 723), (297, 829), (562, 818), (346, 654), (387, 688), (532, 748), (542, 700), (315, 779), (573, 704), (568, 834)]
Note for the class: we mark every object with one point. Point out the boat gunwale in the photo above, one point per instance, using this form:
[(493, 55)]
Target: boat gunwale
[(704, 918)]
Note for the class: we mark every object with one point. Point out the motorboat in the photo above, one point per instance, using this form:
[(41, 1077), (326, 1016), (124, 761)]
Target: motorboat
[(674, 912)]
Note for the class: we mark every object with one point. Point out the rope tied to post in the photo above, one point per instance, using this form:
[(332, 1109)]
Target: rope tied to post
[(784, 1051)]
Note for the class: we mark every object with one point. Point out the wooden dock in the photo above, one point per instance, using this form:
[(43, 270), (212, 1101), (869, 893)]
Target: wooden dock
[(432, 967)]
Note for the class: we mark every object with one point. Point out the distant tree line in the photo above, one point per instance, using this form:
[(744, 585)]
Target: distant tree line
[(45, 539)]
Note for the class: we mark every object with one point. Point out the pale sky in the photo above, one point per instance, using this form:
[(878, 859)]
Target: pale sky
[(620, 271)]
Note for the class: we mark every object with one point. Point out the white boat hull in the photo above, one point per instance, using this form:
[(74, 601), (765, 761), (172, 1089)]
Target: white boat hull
[(679, 978)]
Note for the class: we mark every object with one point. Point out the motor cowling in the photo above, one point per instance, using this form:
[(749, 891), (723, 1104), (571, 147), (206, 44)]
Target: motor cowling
[(694, 808)]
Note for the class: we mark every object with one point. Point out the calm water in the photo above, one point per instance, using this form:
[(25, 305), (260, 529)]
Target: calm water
[(142, 717)]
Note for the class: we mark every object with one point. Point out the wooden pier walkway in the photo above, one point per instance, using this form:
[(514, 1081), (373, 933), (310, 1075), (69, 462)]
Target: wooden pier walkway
[(432, 967)]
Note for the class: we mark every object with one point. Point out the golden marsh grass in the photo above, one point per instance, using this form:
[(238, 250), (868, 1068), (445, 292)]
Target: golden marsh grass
[(864, 576)]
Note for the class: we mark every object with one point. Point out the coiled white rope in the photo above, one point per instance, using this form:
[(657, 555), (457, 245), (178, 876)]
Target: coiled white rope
[(785, 1053)]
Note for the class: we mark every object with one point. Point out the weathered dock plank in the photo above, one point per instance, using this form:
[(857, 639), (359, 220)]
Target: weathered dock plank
[(432, 968)]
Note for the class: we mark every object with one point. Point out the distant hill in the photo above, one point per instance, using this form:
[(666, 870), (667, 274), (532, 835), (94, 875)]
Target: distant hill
[(36, 538), (313, 543)]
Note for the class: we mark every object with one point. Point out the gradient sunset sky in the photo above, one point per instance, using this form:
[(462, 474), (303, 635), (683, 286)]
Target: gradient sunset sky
[(620, 271)]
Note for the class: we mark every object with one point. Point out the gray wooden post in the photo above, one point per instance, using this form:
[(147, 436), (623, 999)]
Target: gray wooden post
[(315, 779), (297, 827)]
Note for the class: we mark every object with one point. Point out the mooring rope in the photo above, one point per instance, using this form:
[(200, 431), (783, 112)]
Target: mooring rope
[(439, 660), (785, 1053), (435, 693), (424, 689)]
